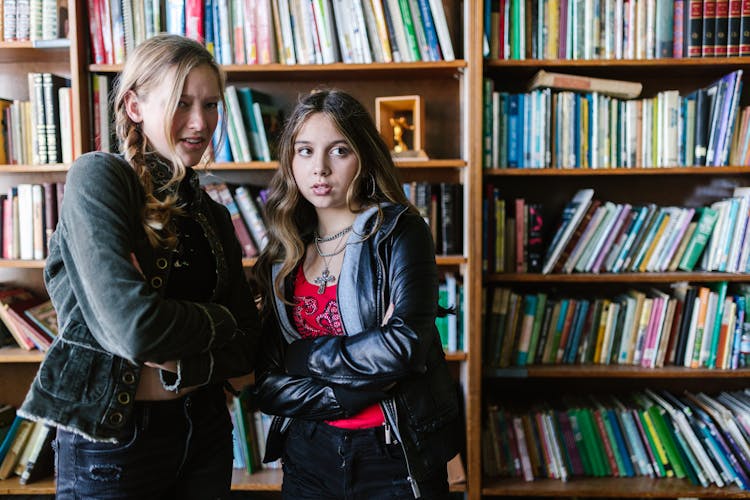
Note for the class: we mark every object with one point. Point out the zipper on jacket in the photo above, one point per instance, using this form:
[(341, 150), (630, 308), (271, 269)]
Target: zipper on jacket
[(391, 419)]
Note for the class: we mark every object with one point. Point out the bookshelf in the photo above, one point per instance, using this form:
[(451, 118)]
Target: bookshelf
[(553, 187), (449, 90)]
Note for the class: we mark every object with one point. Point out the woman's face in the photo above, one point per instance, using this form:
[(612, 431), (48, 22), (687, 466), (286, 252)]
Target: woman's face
[(324, 163), (194, 119)]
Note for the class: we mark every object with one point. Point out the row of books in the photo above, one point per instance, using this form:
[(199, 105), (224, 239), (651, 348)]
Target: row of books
[(704, 439), (513, 235), (249, 431), (278, 31), (26, 320), (22, 20), (38, 131), (616, 29), (245, 205), (28, 217), (450, 326), (441, 206), (25, 447), (595, 236), (253, 126), (567, 129), (698, 326)]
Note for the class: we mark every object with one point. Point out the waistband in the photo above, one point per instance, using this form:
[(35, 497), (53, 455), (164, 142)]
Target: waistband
[(311, 427)]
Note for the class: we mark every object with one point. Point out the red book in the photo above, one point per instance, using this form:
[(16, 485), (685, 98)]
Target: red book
[(194, 19), (709, 25), (721, 27), (733, 30), (521, 234), (745, 29)]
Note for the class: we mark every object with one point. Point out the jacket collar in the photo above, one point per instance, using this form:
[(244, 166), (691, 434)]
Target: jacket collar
[(347, 293)]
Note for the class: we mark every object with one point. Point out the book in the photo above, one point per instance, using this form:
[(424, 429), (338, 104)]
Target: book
[(571, 216), (20, 437), (44, 316), (616, 88)]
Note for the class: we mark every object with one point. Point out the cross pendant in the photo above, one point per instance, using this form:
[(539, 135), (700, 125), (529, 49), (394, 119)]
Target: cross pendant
[(323, 280)]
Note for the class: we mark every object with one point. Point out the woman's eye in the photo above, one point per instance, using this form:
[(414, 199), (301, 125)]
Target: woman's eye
[(212, 105), (340, 151), (182, 104), (305, 151)]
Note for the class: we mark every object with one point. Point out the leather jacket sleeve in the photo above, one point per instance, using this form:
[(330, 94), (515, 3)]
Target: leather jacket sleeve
[(279, 393), (99, 223), (237, 356), (380, 356)]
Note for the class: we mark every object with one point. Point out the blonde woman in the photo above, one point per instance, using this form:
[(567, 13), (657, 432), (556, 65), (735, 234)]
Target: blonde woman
[(155, 313), (351, 364)]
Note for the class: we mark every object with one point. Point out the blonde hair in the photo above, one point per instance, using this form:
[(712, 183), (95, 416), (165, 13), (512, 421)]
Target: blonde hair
[(290, 216), (170, 56)]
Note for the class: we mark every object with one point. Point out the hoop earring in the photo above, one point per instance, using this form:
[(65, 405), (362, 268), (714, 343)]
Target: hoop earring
[(374, 186)]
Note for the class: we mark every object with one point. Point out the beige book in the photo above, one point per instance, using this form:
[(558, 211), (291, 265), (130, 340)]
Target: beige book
[(616, 88)]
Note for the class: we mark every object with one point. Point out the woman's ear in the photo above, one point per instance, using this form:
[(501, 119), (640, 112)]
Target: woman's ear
[(133, 107)]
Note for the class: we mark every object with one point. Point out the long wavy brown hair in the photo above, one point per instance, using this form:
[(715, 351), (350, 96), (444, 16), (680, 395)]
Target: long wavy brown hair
[(291, 218), (162, 56)]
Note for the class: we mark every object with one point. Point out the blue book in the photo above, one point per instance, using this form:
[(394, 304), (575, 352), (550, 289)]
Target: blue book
[(569, 357), (622, 449), (208, 26), (9, 437), (429, 30), (514, 130)]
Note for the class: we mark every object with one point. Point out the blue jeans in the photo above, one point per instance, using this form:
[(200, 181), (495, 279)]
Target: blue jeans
[(325, 462), (179, 449)]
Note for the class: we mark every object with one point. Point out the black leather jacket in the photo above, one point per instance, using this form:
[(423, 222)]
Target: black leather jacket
[(400, 364)]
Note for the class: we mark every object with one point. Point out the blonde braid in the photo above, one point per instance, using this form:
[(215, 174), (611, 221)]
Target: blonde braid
[(157, 215)]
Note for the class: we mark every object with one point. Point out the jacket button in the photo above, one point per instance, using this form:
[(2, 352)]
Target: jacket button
[(161, 263), (157, 282), (116, 418), (123, 398), (128, 377)]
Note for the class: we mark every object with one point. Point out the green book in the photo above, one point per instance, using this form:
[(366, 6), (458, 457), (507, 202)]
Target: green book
[(594, 439), (698, 240), (668, 440), (541, 303), (411, 34), (721, 289), (585, 453)]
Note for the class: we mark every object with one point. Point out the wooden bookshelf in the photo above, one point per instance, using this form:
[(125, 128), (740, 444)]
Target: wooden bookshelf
[(614, 372), (705, 277), (636, 487)]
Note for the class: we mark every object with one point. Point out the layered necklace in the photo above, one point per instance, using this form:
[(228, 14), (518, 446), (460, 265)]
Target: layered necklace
[(326, 277)]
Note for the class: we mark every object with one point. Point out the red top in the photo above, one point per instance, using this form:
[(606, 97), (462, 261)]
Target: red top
[(317, 315)]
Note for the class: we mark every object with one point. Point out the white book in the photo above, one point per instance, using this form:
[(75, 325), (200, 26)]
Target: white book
[(66, 124), (737, 237), (571, 216), (25, 222), (441, 26), (359, 33), (708, 329), (326, 30), (400, 30), (252, 216), (690, 344), (344, 31), (373, 36), (37, 207), (452, 319), (286, 51), (241, 147)]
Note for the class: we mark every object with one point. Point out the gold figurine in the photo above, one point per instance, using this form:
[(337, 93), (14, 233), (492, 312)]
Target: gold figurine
[(399, 124)]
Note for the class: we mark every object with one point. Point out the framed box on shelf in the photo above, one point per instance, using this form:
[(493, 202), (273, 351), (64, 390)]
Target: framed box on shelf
[(400, 121)]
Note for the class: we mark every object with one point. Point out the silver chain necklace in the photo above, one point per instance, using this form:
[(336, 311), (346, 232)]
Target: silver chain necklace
[(326, 277), (319, 239)]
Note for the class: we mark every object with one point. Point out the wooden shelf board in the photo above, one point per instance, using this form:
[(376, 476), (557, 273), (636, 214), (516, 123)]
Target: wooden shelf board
[(442, 260), (18, 355), (615, 277), (11, 486), (607, 488), (22, 264), (553, 172), (34, 169), (612, 371), (455, 356), (664, 64), (263, 480), (273, 165), (11, 52), (314, 71)]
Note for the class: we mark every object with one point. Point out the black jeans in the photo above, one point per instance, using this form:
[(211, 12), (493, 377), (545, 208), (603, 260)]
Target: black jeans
[(325, 462), (179, 449)]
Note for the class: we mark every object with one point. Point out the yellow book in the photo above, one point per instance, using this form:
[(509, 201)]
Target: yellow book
[(640, 336), (654, 243), (660, 451), (601, 330)]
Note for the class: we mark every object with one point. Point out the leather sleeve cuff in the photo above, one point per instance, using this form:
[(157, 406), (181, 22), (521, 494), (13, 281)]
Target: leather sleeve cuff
[(295, 360), (355, 401)]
